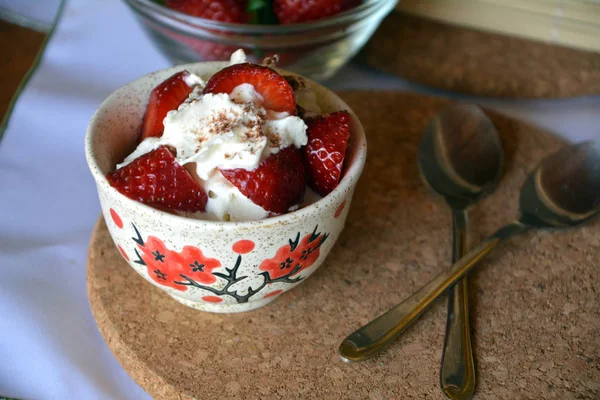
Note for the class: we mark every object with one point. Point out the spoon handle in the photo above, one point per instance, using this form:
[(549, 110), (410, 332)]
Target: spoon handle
[(377, 334), (457, 374)]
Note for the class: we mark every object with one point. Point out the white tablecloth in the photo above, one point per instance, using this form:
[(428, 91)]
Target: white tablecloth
[(37, 14), (50, 347)]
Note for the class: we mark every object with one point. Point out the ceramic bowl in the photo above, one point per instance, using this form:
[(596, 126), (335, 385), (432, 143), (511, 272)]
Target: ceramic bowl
[(214, 266)]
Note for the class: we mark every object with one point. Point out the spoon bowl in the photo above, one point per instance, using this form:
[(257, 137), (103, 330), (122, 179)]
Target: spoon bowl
[(460, 155), (564, 189)]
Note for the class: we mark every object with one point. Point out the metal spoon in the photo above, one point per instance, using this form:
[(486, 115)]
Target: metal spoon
[(461, 158), (563, 191)]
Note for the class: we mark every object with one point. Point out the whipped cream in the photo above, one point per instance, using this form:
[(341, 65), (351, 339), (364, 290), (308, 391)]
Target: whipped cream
[(227, 203), (225, 131), (238, 57)]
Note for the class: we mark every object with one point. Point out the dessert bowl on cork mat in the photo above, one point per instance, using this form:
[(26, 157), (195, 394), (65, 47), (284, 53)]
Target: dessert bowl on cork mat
[(470, 61), (224, 265), (535, 309)]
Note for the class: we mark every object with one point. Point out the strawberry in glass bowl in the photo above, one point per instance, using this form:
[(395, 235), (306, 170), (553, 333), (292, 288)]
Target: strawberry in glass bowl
[(312, 38), (225, 184)]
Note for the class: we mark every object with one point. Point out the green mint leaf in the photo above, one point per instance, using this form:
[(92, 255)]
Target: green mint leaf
[(255, 5), (261, 12)]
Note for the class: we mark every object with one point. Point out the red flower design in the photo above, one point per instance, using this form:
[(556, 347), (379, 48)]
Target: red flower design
[(294, 257), (243, 246), (339, 210), (116, 218), (165, 266), (273, 293), (190, 267), (122, 250), (212, 299)]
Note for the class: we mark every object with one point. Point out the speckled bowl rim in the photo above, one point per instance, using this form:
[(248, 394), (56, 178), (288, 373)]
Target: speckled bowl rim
[(352, 171)]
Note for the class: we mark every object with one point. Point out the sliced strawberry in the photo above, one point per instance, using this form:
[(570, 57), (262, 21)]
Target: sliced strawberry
[(165, 97), (216, 10), (158, 180), (294, 11), (326, 149), (276, 185), (274, 89)]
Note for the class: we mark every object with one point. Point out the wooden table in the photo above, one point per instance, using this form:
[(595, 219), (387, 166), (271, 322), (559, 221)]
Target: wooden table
[(20, 46)]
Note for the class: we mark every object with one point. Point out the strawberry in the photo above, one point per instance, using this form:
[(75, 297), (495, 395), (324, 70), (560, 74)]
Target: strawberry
[(216, 10), (165, 97), (276, 185), (326, 149), (294, 11), (208, 50), (277, 94), (158, 180)]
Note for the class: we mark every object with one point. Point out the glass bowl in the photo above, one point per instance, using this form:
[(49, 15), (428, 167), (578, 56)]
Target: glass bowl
[(317, 49)]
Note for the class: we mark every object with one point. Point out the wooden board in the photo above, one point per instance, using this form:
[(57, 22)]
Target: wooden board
[(19, 46), (569, 23), (457, 59), (534, 301)]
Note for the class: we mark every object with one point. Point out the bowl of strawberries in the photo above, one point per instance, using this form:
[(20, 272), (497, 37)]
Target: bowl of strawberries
[(225, 184), (311, 38)]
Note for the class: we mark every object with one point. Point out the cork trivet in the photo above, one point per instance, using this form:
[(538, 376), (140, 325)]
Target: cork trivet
[(469, 61), (535, 301)]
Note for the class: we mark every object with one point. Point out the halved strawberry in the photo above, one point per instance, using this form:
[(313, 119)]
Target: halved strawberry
[(326, 149), (158, 180), (216, 10), (276, 185), (165, 97), (274, 89)]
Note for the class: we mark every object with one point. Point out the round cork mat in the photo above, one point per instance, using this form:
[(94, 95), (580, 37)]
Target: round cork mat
[(534, 301), (469, 61)]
